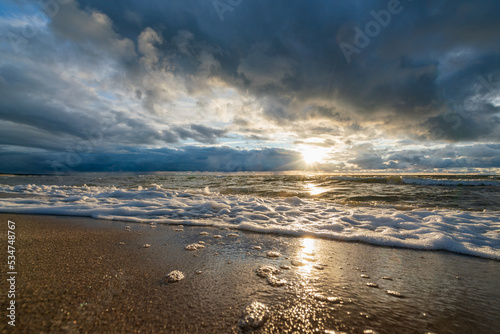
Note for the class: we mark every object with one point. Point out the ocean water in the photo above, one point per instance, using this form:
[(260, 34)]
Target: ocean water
[(456, 213)]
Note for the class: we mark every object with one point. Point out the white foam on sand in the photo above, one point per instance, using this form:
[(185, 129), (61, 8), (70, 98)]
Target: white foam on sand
[(174, 276), (464, 232), (253, 316)]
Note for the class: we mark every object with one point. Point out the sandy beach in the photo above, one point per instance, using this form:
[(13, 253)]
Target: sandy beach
[(81, 275)]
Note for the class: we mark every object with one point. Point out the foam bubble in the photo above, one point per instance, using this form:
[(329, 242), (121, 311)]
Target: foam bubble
[(174, 276), (275, 281), (273, 254), (265, 271), (394, 293), (193, 247), (298, 263), (253, 316), (331, 299)]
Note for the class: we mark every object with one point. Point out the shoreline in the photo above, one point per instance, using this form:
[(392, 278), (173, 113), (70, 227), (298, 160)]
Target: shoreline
[(75, 276), (236, 230)]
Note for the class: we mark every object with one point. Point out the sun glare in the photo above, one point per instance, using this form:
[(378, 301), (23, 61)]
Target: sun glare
[(312, 155)]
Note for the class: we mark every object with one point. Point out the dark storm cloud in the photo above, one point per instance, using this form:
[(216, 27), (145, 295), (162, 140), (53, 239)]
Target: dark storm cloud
[(288, 52), (469, 156), (223, 159)]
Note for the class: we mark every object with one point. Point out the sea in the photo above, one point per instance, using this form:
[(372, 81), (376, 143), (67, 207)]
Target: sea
[(455, 213)]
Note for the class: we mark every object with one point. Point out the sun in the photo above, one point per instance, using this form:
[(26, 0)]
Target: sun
[(312, 155)]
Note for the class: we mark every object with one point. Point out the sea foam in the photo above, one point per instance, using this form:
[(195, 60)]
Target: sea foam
[(464, 232)]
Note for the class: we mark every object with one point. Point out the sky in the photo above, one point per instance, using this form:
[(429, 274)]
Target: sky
[(250, 85)]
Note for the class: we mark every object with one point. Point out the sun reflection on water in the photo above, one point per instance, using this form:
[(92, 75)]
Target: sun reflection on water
[(314, 189)]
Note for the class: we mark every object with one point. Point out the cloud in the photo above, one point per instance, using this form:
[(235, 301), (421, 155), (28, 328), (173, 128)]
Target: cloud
[(448, 157), (221, 159), (272, 75)]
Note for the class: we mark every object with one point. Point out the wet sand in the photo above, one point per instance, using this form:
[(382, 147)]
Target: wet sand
[(78, 275)]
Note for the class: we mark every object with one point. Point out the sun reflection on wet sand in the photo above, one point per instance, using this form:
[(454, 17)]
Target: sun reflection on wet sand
[(305, 257)]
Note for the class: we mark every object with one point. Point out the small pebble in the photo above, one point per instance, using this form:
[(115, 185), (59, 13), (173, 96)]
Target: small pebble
[(372, 285), (199, 272), (365, 276), (233, 235), (146, 245), (217, 236), (285, 267), (386, 278), (319, 266), (257, 247), (121, 243), (203, 233)]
